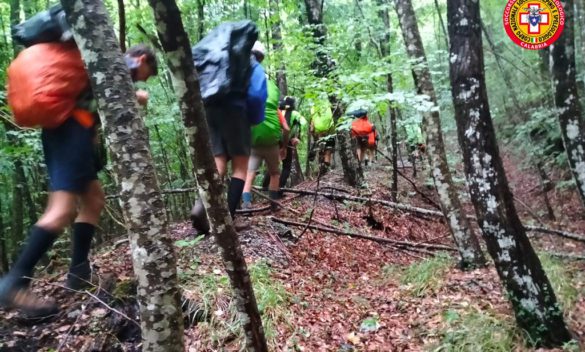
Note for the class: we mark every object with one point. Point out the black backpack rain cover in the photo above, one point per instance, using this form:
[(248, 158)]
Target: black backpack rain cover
[(222, 59), (44, 27)]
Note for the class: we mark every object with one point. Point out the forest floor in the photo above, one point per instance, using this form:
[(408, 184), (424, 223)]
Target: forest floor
[(321, 291)]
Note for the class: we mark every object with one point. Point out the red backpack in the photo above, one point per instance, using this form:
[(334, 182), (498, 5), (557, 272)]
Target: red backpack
[(361, 127), (44, 82)]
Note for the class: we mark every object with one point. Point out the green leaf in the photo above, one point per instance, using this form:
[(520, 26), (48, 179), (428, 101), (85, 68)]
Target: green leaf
[(370, 324)]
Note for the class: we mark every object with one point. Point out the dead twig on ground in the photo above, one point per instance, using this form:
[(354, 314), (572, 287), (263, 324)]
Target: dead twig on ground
[(366, 237), (570, 235), (337, 196)]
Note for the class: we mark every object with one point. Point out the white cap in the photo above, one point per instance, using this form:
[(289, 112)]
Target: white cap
[(259, 47)]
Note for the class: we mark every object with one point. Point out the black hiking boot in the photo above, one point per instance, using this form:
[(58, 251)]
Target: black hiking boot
[(79, 277), (15, 294)]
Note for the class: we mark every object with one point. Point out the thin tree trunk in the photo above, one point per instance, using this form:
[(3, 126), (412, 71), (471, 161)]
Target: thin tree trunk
[(122, 22), (467, 243), (567, 100), (442, 24), (153, 254), (392, 110), (200, 19), (546, 186), (532, 297), (211, 190), (352, 169), (277, 40)]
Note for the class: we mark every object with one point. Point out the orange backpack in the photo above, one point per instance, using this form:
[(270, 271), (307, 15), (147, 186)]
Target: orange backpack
[(372, 139), (44, 82), (361, 127)]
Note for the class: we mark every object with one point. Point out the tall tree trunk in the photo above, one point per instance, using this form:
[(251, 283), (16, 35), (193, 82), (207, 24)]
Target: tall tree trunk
[(352, 169), (467, 243), (122, 23), (567, 100), (530, 292), (392, 110), (200, 19), (277, 40), (323, 65), (153, 254), (211, 190)]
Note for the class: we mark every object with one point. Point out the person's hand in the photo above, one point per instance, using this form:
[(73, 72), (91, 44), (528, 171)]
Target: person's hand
[(142, 97), (283, 153), (294, 142)]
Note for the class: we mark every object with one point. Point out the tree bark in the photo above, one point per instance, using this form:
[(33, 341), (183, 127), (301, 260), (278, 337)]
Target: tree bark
[(144, 214), (277, 40), (567, 100), (211, 190), (467, 243), (324, 66), (392, 110), (122, 23), (518, 266), (352, 169)]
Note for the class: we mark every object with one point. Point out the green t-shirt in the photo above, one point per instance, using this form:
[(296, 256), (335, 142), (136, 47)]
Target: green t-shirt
[(269, 131)]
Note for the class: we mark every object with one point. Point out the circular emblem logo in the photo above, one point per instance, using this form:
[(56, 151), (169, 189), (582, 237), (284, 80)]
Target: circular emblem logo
[(534, 24)]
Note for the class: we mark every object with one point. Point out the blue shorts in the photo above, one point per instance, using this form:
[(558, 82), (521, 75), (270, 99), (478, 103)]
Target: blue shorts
[(70, 156)]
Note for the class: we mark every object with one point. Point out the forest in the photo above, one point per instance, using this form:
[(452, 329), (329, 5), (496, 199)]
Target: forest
[(461, 228)]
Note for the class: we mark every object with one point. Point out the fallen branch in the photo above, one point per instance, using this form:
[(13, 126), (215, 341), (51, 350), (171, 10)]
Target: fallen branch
[(570, 235), (566, 256), (396, 243), (285, 207), (389, 204), (252, 210)]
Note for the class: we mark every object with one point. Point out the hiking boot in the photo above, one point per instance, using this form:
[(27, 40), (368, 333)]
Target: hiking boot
[(79, 277), (241, 224), (14, 294), (199, 218)]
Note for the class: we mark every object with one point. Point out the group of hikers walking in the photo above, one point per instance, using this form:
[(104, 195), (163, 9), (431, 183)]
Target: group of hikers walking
[(249, 123)]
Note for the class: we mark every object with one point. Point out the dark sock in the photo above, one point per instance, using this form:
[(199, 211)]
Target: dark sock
[(235, 190), (81, 240), (38, 243), (274, 195)]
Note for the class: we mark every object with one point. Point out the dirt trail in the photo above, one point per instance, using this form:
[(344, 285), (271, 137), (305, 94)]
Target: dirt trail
[(342, 294)]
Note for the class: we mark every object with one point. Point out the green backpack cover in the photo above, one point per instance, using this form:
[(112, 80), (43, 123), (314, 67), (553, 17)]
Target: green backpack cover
[(322, 117), (269, 131)]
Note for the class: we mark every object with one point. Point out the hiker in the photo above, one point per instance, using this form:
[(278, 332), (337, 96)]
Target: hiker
[(269, 143), (75, 196), (293, 120), (361, 128), (230, 119), (322, 130)]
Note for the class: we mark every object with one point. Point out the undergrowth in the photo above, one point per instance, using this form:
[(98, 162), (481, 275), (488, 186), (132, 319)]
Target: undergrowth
[(213, 291), (421, 278), (477, 330)]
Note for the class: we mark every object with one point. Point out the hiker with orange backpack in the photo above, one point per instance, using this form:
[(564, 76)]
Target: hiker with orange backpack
[(54, 93), (361, 128)]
